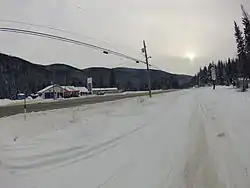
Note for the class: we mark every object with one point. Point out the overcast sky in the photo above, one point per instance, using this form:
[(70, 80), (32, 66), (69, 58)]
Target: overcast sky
[(173, 30)]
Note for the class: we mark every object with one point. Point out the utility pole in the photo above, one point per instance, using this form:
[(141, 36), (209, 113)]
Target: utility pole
[(144, 50), (24, 100), (54, 96)]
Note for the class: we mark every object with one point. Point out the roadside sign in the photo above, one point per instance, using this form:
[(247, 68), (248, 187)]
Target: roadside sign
[(213, 73), (90, 85), (89, 80)]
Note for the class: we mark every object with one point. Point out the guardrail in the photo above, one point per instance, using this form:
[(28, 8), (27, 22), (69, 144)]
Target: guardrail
[(10, 110)]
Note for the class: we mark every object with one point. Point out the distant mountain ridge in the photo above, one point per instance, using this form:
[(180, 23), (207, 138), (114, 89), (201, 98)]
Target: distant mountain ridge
[(18, 75)]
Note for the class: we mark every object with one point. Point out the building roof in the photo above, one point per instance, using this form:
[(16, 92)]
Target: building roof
[(65, 88), (71, 88), (105, 89), (48, 87), (82, 89)]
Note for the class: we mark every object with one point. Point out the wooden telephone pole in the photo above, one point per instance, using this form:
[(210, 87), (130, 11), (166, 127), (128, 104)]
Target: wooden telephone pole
[(144, 50)]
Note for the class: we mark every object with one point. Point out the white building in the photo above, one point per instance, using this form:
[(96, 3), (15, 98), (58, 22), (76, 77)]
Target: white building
[(82, 90), (57, 91), (52, 91)]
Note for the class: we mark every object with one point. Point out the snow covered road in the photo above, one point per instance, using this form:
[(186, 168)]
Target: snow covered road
[(186, 139)]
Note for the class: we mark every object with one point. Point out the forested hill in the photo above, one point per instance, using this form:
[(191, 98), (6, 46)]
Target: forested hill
[(18, 75)]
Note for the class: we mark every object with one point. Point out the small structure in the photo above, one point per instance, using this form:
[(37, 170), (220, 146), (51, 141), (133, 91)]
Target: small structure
[(70, 91), (56, 91), (82, 90), (53, 91)]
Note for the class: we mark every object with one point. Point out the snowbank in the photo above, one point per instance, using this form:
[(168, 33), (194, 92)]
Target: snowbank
[(5, 102)]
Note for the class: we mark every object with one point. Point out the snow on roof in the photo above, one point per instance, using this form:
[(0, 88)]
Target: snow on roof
[(47, 88), (105, 89), (70, 88), (67, 88), (82, 89)]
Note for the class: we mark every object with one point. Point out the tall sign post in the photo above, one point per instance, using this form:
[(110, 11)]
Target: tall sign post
[(90, 85), (213, 73)]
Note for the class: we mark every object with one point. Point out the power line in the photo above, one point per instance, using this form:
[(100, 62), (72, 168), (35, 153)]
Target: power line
[(68, 40), (41, 26), (150, 65), (56, 29)]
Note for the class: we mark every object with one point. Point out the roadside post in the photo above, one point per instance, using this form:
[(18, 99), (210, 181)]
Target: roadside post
[(25, 107), (144, 50), (90, 85), (213, 73)]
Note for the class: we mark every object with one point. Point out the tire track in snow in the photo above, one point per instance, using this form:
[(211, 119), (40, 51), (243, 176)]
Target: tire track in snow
[(52, 160), (230, 169), (123, 136), (200, 169), (166, 168), (63, 157)]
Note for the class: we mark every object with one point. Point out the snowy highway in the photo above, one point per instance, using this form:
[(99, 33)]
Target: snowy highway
[(14, 107), (197, 138)]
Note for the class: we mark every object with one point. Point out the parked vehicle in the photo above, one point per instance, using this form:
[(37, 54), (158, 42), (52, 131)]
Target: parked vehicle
[(100, 93)]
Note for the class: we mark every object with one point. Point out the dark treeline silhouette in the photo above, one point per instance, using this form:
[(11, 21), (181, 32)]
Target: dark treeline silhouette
[(20, 76), (231, 70), (227, 72)]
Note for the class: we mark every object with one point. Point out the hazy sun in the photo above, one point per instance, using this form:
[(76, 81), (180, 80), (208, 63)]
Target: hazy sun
[(190, 56)]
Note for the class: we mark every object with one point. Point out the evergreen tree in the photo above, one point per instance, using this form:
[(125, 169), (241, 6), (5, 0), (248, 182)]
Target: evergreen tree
[(229, 71), (246, 24), (101, 84), (112, 81), (241, 50), (221, 73), (209, 69), (129, 86)]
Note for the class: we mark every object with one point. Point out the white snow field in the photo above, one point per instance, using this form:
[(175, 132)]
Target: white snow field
[(4, 102), (197, 138)]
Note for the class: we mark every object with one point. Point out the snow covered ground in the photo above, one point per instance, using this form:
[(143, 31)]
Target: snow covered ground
[(5, 102), (185, 139)]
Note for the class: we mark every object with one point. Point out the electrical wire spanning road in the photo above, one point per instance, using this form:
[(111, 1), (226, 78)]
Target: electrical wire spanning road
[(68, 40), (64, 39)]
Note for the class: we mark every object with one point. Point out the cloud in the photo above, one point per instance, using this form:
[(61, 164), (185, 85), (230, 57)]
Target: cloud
[(171, 28)]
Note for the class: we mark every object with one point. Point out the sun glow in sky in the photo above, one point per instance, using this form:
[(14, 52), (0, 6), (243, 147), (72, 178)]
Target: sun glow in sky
[(190, 56)]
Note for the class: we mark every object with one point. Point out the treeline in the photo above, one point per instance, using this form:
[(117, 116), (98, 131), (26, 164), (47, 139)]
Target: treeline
[(20, 76), (229, 71)]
